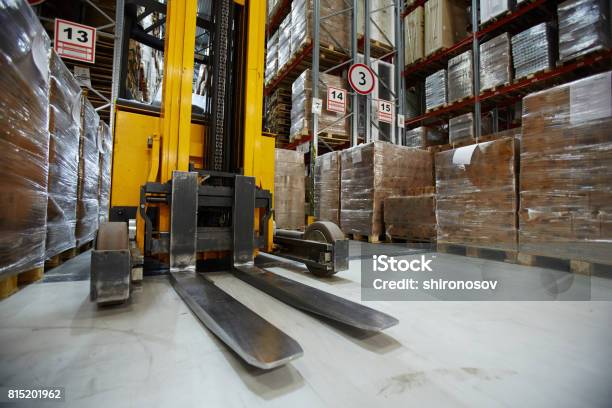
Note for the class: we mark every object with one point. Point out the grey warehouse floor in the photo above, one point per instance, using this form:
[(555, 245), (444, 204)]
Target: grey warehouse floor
[(154, 352)]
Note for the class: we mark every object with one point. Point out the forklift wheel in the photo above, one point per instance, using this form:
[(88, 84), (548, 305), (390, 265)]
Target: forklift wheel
[(323, 231)]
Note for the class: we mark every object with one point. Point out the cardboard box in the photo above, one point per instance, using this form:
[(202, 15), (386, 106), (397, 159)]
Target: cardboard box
[(382, 23), (289, 189), (424, 136), (460, 77), (435, 90), (566, 171), (327, 187), (461, 129), (495, 62), (445, 24), (584, 27), (374, 171), (414, 36), (412, 218)]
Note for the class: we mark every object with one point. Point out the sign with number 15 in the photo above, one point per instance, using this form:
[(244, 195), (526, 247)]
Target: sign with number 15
[(75, 41)]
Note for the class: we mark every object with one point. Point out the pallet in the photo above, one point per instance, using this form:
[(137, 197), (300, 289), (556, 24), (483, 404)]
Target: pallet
[(493, 88), (577, 266), (66, 255), (579, 58), (531, 76), (372, 239), (378, 49), (436, 108), (11, 284), (410, 240), (496, 18), (494, 254)]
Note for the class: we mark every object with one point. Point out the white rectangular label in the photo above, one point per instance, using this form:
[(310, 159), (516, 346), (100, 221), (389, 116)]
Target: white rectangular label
[(336, 100), (401, 121), (591, 98), (385, 111), (317, 105), (75, 41), (81, 74)]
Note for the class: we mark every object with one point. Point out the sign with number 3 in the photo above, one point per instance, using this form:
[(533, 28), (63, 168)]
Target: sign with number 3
[(362, 79)]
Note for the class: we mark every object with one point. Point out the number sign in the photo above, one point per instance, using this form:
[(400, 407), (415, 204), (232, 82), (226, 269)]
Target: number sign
[(361, 78), (75, 41)]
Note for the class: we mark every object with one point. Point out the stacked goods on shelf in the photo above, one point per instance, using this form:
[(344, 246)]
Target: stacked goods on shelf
[(460, 80), (381, 19), (435, 90), (289, 189), (490, 9), (334, 31), (284, 43), (106, 161), (495, 62), (424, 136), (279, 114), (24, 144), (566, 171), (271, 58), (327, 187), (301, 108), (374, 171), (461, 129), (532, 51), (476, 201), (414, 41), (64, 130), (412, 218), (583, 27), (87, 187), (445, 24)]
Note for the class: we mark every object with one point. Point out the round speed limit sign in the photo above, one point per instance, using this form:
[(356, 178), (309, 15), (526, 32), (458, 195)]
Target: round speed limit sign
[(361, 78)]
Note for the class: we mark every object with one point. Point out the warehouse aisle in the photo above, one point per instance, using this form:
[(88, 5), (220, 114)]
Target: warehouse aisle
[(154, 351)]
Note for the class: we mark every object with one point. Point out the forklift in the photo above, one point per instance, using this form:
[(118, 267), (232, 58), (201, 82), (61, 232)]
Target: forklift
[(192, 187)]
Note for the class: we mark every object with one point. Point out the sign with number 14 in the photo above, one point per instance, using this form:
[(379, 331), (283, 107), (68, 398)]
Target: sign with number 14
[(336, 100), (75, 41)]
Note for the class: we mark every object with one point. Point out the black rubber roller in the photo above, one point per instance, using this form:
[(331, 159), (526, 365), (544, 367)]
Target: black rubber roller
[(323, 231)]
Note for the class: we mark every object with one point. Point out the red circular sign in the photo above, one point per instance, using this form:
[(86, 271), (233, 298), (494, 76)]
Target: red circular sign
[(361, 78)]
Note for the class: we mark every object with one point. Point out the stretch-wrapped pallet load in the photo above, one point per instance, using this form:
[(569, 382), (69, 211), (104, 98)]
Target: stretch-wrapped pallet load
[(476, 200), (461, 129), (460, 79), (414, 40), (89, 169), (334, 30), (381, 18), (566, 171), (327, 187), (584, 27), (106, 161), (532, 51), (271, 57), (284, 43), (374, 171), (424, 136), (24, 140), (445, 24), (412, 218), (435, 90), (301, 107), (490, 9), (495, 62), (64, 130), (289, 189), (279, 113)]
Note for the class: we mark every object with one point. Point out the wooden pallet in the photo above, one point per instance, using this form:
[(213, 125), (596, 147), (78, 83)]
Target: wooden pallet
[(436, 108), (66, 255), (577, 266), (531, 76), (494, 254), (410, 240), (378, 49), (496, 18), (372, 239), (11, 284)]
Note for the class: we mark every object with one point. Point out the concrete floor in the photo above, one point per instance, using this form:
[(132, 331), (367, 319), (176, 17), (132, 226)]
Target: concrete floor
[(154, 352)]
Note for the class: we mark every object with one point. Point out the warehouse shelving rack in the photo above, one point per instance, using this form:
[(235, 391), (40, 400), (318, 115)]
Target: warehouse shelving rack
[(526, 14)]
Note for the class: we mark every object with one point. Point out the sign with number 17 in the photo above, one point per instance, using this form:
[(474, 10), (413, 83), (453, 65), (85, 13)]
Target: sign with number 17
[(75, 41)]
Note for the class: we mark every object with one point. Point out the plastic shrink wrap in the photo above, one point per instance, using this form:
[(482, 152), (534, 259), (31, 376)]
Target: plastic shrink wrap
[(495, 62), (89, 169), (64, 119), (435, 90), (461, 129), (460, 79), (532, 51), (566, 171), (493, 8), (445, 24), (382, 21), (284, 43), (327, 187), (414, 40), (289, 189), (584, 27), (412, 218), (106, 161), (301, 107), (271, 58), (424, 136), (476, 201), (373, 171), (24, 138), (334, 31)]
